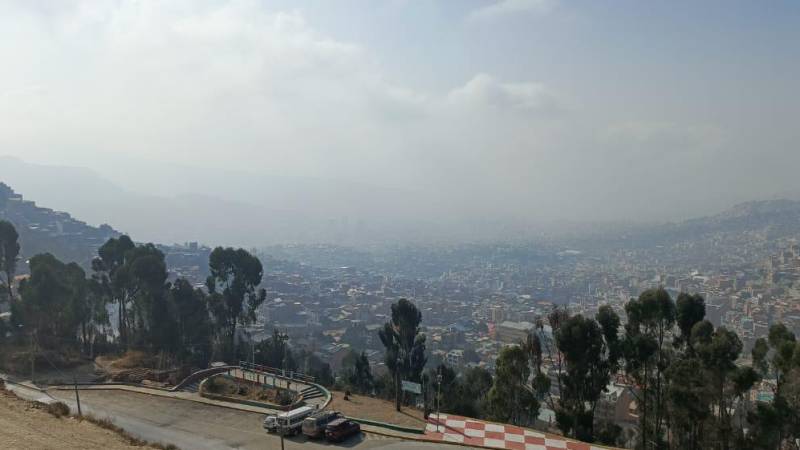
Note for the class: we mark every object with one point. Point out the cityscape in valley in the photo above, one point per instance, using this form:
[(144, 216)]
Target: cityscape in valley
[(327, 305), (399, 225)]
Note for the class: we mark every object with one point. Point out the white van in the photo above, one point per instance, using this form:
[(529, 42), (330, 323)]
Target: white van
[(289, 421)]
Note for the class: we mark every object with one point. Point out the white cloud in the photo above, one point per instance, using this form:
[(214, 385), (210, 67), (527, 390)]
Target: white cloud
[(232, 84), (501, 8), (484, 90)]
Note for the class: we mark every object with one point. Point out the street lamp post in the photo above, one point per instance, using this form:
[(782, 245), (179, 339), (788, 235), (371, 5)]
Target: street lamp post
[(438, 398)]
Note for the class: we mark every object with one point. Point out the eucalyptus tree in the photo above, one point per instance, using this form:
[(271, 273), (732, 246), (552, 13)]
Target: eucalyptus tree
[(193, 325), (651, 319), (776, 424), (689, 310), (233, 288), (511, 399), (109, 268), (725, 380), (404, 343), (52, 302), (591, 355)]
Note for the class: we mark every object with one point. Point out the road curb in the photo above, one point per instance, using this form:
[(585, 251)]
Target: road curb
[(427, 440)]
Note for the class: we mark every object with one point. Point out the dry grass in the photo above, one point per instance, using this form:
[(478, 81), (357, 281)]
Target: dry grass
[(108, 424), (247, 390), (132, 359), (58, 409), (25, 424), (376, 409)]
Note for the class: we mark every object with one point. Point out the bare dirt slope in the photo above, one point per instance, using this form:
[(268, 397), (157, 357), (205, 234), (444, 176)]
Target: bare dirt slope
[(23, 425)]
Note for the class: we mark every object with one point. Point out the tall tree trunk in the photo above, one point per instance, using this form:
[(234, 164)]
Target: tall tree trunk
[(83, 335), (644, 409), (121, 326), (9, 282)]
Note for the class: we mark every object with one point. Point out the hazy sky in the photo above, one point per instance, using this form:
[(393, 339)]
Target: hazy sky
[(534, 109)]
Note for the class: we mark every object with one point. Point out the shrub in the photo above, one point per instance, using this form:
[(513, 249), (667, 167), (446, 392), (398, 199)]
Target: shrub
[(58, 409), (285, 397)]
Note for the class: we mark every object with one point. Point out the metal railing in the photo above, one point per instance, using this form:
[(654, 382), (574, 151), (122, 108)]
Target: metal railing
[(292, 375)]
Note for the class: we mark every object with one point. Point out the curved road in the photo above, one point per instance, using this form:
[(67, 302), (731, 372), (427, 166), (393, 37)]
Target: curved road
[(191, 425)]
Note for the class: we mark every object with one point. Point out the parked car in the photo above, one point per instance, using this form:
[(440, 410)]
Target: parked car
[(314, 426), (289, 421), (341, 429)]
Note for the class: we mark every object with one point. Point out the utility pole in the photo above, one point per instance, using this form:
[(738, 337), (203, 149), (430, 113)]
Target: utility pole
[(280, 424), (77, 396), (33, 357), (397, 383), (438, 398)]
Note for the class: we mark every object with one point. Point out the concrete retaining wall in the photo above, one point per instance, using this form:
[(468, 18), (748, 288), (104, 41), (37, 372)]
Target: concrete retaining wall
[(299, 402)]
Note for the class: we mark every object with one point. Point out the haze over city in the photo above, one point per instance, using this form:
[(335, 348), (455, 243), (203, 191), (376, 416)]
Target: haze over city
[(399, 224), (414, 116)]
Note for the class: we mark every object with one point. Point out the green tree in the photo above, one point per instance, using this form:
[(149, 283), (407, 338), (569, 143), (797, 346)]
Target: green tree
[(312, 365), (404, 343), (273, 351), (192, 323), (112, 276), (473, 387), (776, 424), (357, 372), (511, 399), (689, 403), (49, 307), (235, 276), (544, 344), (718, 355), (9, 252), (590, 358), (153, 325), (134, 277), (651, 319), (689, 310), (94, 315)]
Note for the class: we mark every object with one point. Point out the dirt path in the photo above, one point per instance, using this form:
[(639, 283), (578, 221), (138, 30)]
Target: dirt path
[(24, 426)]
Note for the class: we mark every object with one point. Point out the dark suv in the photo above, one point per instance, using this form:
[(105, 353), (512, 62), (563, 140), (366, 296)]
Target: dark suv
[(341, 429)]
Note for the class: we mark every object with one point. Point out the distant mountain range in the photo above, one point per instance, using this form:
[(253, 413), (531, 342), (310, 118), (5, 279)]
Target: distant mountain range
[(769, 218), (273, 209), (760, 224), (323, 212)]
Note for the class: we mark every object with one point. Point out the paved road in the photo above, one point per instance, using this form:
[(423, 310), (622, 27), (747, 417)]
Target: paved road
[(192, 425)]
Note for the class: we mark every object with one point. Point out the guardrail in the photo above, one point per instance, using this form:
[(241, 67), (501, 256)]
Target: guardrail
[(292, 375), (202, 374)]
